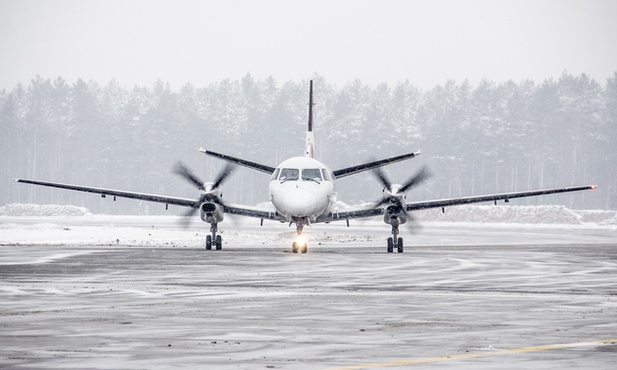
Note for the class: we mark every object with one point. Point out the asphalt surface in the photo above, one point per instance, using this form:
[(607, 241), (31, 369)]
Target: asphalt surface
[(457, 304)]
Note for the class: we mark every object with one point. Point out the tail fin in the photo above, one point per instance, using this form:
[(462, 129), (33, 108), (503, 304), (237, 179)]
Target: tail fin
[(310, 137)]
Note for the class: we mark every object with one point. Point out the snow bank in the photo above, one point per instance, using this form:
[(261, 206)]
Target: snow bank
[(468, 213), (519, 215), (19, 210)]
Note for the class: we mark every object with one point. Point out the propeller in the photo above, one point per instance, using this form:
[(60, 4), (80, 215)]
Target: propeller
[(397, 192), (209, 190)]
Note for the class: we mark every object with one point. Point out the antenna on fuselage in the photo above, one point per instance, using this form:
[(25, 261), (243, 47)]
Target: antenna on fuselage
[(310, 137)]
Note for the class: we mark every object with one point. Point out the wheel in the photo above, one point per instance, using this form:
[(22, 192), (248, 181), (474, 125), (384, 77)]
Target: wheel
[(399, 246), (294, 247), (208, 242), (219, 243), (304, 248), (390, 245)]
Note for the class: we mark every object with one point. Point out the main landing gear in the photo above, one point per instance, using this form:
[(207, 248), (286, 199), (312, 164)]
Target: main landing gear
[(395, 241), (214, 240)]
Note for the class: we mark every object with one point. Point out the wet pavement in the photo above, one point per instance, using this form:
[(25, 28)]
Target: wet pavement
[(458, 304)]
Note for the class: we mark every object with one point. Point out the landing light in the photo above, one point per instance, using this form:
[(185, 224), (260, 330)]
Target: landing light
[(594, 187), (300, 241)]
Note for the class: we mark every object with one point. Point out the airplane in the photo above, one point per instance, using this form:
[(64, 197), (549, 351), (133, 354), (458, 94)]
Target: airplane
[(302, 193)]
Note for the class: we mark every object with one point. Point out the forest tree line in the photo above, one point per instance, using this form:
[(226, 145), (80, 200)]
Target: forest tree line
[(475, 139)]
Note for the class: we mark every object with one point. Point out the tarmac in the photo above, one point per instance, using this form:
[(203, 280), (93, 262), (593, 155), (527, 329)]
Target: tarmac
[(471, 297)]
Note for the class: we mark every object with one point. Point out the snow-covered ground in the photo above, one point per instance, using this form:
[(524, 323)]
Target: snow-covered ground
[(126, 292), (67, 225)]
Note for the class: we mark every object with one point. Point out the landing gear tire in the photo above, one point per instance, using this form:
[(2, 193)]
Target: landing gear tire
[(394, 240), (296, 247), (214, 240)]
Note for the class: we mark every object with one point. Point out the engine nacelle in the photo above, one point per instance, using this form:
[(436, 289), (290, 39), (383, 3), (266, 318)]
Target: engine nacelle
[(395, 214), (211, 212)]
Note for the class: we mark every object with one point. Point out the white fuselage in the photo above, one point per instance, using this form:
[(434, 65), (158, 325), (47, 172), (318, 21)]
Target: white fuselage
[(302, 187)]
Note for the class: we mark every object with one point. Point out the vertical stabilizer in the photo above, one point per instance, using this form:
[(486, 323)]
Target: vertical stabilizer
[(310, 137)]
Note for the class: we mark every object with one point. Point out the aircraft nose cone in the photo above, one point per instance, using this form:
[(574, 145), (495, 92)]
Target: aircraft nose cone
[(300, 203)]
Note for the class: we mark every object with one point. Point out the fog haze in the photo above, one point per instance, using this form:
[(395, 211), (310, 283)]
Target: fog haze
[(427, 42), (499, 95)]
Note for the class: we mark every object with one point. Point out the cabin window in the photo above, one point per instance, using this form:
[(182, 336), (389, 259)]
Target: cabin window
[(288, 174), (311, 174), (275, 175)]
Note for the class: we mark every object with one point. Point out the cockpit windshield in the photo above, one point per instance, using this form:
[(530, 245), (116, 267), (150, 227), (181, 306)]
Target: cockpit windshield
[(275, 175), (293, 174), (289, 174), (311, 174)]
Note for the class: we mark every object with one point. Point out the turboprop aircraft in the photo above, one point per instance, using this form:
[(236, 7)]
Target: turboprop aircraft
[(302, 193)]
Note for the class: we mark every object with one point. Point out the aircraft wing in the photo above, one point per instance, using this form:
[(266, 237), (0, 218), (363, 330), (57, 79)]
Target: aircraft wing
[(493, 197), (349, 213), (117, 193), (268, 213), (371, 165), (242, 162), (249, 211)]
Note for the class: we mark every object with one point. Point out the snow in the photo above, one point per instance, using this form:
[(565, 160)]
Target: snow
[(118, 292), (549, 214), (462, 290), (68, 225), (42, 210)]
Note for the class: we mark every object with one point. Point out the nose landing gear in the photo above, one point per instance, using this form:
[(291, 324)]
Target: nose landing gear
[(214, 240), (299, 245), (395, 241)]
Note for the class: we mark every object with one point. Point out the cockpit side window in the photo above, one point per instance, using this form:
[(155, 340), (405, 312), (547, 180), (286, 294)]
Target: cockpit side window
[(275, 175), (311, 174), (289, 174), (326, 175)]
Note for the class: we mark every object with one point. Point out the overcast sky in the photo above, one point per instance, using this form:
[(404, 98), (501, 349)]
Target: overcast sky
[(427, 42)]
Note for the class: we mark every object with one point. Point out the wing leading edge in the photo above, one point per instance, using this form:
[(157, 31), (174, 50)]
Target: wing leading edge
[(257, 212), (370, 211), (492, 197), (116, 193)]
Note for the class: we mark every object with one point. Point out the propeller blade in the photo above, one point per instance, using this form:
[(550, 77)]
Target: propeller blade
[(223, 175), (419, 177), (381, 176), (185, 221), (183, 171), (412, 223)]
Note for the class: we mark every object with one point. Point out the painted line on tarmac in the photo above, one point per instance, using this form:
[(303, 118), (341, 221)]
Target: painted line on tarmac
[(488, 353)]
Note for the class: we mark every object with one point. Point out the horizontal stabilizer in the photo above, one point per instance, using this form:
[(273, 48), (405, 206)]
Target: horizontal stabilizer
[(242, 162), (371, 165)]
